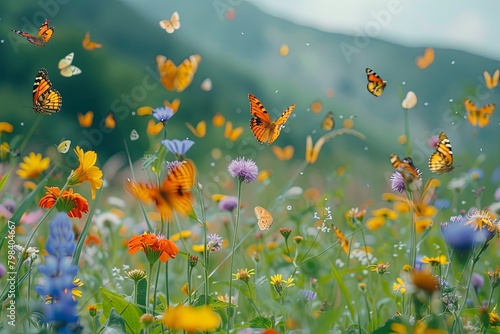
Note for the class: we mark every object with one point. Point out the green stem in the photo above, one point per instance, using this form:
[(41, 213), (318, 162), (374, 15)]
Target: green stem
[(30, 133), (147, 287), (413, 231), (407, 133)]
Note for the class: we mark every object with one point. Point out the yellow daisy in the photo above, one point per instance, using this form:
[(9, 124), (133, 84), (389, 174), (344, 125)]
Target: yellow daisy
[(33, 165)]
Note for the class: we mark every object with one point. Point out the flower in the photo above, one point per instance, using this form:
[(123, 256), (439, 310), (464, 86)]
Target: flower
[(280, 285), (154, 246), (493, 317), (243, 274), (33, 165), (163, 114), (478, 219), (228, 203), (3, 271), (380, 268), (355, 215), (309, 295), (86, 171), (214, 242), (136, 274), (71, 203), (462, 237), (494, 277), (477, 281), (399, 286), (397, 182), (178, 147), (244, 170), (475, 174), (184, 234), (6, 127), (379, 218), (435, 261), (191, 319)]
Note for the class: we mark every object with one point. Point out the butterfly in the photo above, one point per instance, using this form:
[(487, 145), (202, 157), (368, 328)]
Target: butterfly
[(426, 60), (171, 25), (110, 120), (328, 122), (45, 33), (232, 133), (407, 169), (218, 120), (64, 146), (344, 243), (174, 193), (285, 153), (491, 81), (375, 83), (441, 161), (261, 125), (177, 78), (478, 117), (154, 128), (86, 119), (206, 85), (46, 100), (264, 218), (200, 130), (68, 70), (88, 45)]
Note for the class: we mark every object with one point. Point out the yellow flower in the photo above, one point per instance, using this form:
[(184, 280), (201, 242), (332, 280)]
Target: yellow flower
[(478, 219), (181, 235), (399, 286), (199, 248), (6, 127), (86, 171), (435, 261), (379, 218), (4, 150), (276, 279), (494, 318), (279, 284), (33, 165), (191, 319), (243, 274)]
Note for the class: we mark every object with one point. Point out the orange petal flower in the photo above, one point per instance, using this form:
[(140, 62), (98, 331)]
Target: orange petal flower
[(86, 171), (153, 245), (72, 203)]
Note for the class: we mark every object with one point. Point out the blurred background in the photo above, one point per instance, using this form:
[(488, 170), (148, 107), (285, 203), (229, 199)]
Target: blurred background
[(313, 54)]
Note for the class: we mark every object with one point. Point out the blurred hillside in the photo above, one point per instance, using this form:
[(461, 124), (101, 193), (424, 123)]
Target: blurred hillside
[(240, 56)]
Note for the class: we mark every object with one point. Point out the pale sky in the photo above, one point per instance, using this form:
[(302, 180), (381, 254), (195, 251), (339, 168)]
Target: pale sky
[(455, 24)]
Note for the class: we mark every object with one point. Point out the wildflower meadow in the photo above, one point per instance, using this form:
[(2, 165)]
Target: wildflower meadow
[(208, 170)]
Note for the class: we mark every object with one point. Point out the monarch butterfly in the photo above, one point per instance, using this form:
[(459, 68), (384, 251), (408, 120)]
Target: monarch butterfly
[(200, 130), (441, 161), (478, 117), (45, 33), (46, 100), (491, 81), (174, 194), (171, 25), (285, 153), (68, 70), (88, 45), (375, 83), (264, 218), (261, 125), (328, 122), (177, 78), (405, 167), (64, 146), (110, 121)]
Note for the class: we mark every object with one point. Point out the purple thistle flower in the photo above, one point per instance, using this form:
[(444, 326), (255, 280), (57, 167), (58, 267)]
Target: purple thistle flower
[(163, 114), (214, 242), (244, 170), (397, 182), (178, 147), (228, 203)]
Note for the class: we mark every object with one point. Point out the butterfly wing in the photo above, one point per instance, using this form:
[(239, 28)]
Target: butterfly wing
[(46, 100), (64, 146), (441, 161), (260, 123), (88, 44), (167, 70), (110, 121), (278, 125), (167, 25), (375, 84), (175, 20), (65, 67), (484, 114), (472, 112), (85, 120), (285, 153), (200, 130), (232, 133), (175, 192), (264, 218), (45, 31), (328, 122)]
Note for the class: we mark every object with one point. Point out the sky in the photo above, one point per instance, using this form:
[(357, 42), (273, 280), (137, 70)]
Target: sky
[(453, 24)]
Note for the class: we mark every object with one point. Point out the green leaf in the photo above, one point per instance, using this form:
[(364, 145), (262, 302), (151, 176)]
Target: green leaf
[(156, 166), (130, 312), (261, 322), (214, 303), (343, 289), (141, 292), (115, 324), (4, 179)]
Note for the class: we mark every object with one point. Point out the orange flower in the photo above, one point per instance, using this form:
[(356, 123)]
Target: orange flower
[(86, 171), (154, 246), (72, 203)]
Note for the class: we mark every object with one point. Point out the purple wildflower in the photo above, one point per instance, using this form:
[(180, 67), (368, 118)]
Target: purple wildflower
[(3, 271), (178, 147), (228, 203), (244, 170), (308, 295), (397, 182), (477, 281), (214, 242), (163, 114), (497, 194)]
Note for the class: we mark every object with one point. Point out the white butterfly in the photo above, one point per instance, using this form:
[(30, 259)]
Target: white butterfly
[(264, 218), (171, 25), (68, 70), (206, 85), (64, 146)]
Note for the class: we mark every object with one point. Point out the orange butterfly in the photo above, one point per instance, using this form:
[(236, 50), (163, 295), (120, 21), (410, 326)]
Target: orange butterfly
[(441, 161), (154, 128), (86, 119), (88, 45), (261, 125), (344, 243), (232, 134), (110, 120), (426, 60), (174, 194), (478, 117), (45, 33), (375, 83), (405, 167), (264, 218), (177, 78), (200, 130), (285, 153), (46, 100), (491, 81), (328, 122), (218, 120)]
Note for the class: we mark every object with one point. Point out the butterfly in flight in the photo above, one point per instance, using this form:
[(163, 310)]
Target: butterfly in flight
[(171, 25), (375, 83), (177, 78), (174, 194), (328, 122), (46, 100), (407, 169), (261, 125), (110, 120), (491, 80), (478, 117), (45, 33), (64, 146), (68, 70), (441, 161), (88, 44), (264, 218)]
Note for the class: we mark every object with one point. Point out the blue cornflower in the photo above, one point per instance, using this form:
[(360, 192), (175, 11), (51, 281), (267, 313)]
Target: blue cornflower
[(244, 170), (462, 236), (178, 147), (163, 114), (214, 242)]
